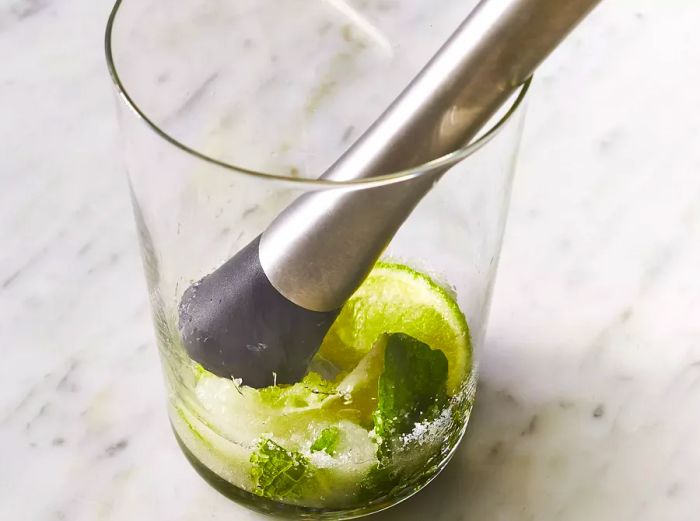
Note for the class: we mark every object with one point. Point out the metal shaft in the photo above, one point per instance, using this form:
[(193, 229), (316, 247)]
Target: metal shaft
[(320, 248)]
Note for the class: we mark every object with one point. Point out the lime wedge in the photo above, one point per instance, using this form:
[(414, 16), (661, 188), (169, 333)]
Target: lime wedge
[(397, 299)]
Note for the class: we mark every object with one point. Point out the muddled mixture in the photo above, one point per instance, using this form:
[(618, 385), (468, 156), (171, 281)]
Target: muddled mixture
[(385, 401)]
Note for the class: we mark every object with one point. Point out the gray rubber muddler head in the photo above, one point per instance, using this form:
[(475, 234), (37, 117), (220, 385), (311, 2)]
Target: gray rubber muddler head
[(236, 324)]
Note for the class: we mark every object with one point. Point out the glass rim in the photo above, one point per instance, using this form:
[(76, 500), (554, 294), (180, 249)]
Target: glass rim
[(446, 160)]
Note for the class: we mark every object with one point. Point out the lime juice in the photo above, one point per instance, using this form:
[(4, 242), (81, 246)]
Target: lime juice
[(385, 402)]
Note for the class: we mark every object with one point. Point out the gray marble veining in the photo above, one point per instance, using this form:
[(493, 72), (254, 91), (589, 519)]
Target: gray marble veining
[(589, 401)]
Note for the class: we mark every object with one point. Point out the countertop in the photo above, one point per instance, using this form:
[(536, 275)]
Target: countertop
[(589, 404)]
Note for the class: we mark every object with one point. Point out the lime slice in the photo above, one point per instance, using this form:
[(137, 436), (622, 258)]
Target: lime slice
[(397, 299)]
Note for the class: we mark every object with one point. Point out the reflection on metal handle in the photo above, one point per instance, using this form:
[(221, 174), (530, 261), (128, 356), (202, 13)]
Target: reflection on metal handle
[(320, 248)]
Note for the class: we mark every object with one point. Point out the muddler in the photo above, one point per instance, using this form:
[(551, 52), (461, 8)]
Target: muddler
[(263, 314)]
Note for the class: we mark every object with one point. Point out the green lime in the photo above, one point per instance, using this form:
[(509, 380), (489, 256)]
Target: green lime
[(397, 299)]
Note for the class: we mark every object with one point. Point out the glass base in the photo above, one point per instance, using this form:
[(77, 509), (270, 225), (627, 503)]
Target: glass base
[(284, 510)]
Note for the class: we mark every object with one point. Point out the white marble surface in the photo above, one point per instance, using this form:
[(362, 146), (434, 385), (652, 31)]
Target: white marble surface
[(590, 400)]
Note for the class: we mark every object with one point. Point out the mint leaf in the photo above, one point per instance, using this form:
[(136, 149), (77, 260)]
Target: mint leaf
[(278, 473), (327, 441), (412, 389)]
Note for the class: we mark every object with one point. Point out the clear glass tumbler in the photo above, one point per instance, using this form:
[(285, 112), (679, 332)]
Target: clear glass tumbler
[(229, 112)]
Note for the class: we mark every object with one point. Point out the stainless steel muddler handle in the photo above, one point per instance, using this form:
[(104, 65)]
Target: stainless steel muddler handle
[(267, 309)]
